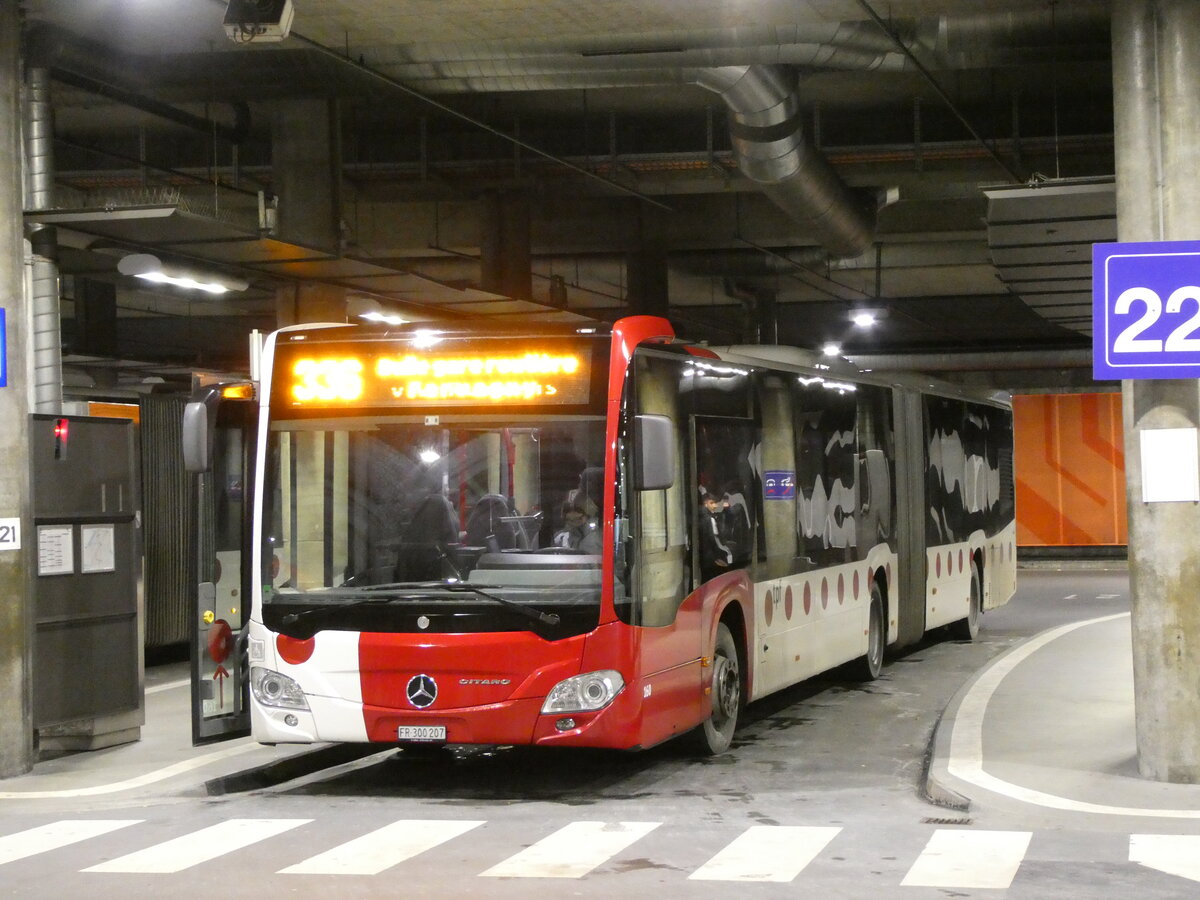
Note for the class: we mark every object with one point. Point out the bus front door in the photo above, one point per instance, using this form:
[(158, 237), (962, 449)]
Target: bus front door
[(220, 707)]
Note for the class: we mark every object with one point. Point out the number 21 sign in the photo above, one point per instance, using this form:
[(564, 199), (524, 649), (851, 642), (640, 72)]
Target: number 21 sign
[(1146, 310)]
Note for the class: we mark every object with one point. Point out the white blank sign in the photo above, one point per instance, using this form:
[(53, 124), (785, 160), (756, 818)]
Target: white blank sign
[(1170, 465)]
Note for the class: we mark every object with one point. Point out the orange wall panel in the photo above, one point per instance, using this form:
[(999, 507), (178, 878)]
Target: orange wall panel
[(1070, 470)]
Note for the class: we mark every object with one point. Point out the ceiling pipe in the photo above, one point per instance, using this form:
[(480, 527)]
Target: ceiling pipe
[(91, 67), (772, 150)]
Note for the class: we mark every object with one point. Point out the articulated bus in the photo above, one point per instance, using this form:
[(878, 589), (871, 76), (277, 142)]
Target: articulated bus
[(596, 537)]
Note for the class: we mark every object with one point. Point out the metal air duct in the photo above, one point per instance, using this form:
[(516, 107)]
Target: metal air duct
[(772, 150), (46, 327)]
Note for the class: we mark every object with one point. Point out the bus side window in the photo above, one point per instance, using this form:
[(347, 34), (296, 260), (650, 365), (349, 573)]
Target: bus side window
[(724, 517)]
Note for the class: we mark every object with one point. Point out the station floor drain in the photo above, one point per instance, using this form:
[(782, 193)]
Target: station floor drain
[(958, 820)]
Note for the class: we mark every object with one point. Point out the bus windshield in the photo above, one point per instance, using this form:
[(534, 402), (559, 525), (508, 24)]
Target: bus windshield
[(396, 525)]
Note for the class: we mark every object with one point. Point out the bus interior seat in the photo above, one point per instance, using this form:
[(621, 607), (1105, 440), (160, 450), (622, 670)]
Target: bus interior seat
[(491, 525)]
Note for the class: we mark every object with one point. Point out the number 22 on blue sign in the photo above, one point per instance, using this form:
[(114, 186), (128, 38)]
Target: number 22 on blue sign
[(1146, 310)]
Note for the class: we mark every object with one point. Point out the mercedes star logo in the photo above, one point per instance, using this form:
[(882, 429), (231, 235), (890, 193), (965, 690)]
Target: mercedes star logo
[(421, 691)]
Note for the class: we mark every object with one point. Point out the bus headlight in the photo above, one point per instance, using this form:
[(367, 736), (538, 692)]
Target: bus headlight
[(584, 693), (272, 689)]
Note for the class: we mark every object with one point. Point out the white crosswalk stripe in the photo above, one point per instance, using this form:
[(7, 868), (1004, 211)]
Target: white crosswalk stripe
[(767, 853), (969, 859), (953, 858), (55, 835), (1175, 854), (381, 849), (573, 851), (199, 846)]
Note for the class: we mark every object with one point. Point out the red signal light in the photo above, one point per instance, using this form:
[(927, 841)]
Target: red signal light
[(62, 430)]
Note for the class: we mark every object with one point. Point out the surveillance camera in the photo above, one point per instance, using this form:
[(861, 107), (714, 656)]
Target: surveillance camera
[(248, 21)]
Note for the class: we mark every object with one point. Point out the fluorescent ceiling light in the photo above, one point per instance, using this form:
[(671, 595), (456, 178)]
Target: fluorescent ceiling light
[(378, 316), (867, 318), (426, 337), (371, 310), (150, 268)]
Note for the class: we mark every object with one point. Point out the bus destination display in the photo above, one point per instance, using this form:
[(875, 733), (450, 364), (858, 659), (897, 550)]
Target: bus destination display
[(526, 376)]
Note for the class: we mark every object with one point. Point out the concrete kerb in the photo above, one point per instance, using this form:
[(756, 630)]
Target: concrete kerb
[(935, 775)]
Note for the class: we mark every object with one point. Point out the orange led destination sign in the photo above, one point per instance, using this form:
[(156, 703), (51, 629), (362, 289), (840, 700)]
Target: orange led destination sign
[(515, 375)]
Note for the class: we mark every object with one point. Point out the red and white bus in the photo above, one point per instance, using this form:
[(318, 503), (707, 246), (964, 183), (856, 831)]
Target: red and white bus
[(597, 537)]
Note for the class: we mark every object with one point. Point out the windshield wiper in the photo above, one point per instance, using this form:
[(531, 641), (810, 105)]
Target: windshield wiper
[(544, 617), (366, 596)]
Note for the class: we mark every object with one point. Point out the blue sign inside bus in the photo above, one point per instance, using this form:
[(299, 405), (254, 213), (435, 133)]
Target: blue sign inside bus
[(1146, 310), (779, 485), (3, 351)]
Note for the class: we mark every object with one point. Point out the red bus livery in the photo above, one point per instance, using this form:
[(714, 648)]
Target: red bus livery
[(598, 537)]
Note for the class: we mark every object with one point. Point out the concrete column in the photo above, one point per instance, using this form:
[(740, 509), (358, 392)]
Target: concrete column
[(1156, 90), (305, 303), (95, 318), (647, 265), (505, 266), (306, 170), (16, 603)]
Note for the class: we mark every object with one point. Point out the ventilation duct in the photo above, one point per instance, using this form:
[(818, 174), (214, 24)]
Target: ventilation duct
[(772, 150), (46, 331)]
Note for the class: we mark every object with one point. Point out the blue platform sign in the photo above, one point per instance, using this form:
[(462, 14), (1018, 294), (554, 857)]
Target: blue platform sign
[(1146, 310), (3, 351)]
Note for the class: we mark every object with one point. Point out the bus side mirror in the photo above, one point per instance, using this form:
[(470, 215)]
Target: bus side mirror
[(197, 437), (654, 467)]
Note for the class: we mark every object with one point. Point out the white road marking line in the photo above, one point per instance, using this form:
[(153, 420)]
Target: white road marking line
[(381, 849), (966, 740), (767, 853), (969, 859), (1175, 854), (199, 846), (1107, 596), (128, 784), (168, 686), (572, 851), (56, 835), (1071, 597)]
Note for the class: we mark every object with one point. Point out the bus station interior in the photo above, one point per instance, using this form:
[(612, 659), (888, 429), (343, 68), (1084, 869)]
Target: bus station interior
[(574, 163)]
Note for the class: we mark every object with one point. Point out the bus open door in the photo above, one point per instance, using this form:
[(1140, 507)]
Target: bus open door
[(218, 440)]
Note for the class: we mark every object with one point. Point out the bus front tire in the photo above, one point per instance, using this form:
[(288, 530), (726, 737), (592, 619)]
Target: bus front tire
[(714, 735)]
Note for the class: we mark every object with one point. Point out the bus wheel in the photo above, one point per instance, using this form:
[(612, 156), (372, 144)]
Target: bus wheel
[(870, 664), (714, 735), (968, 629)]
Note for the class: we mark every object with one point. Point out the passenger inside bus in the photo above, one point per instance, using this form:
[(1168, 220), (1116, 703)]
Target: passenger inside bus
[(425, 540), (578, 532), (716, 554)]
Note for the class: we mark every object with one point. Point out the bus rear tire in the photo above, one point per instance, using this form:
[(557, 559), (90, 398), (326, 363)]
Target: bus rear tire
[(967, 629), (870, 664), (714, 735)]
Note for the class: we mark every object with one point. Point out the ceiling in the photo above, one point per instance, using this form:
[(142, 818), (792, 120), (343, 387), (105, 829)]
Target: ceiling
[(955, 157)]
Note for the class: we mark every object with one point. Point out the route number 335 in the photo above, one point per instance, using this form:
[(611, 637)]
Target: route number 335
[(1180, 340)]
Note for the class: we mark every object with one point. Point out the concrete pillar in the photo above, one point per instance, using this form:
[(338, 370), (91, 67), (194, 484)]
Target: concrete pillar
[(1156, 90), (95, 318), (298, 304), (505, 266), (647, 265), (306, 169), (16, 603)]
